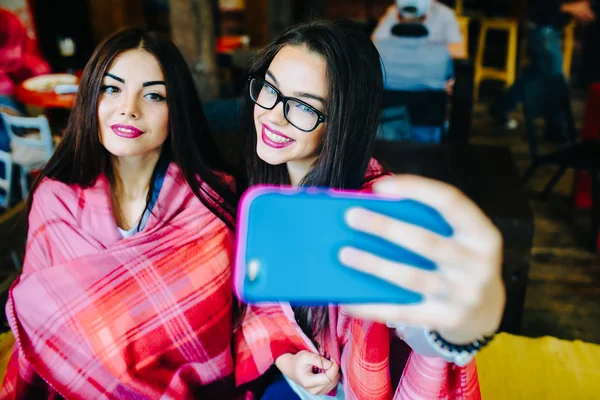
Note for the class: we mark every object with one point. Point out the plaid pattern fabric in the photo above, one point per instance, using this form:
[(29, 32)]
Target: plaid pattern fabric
[(361, 348), (96, 316)]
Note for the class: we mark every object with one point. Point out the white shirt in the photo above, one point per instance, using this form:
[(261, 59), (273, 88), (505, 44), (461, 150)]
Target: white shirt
[(440, 21)]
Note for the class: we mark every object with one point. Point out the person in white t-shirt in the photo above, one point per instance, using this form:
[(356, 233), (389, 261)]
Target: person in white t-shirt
[(440, 20)]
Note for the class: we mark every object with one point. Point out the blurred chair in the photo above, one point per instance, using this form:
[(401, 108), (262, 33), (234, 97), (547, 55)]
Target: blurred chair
[(459, 7), (509, 72), (31, 144), (5, 180), (463, 24), (461, 110), (414, 101), (576, 154), (568, 44), (412, 110)]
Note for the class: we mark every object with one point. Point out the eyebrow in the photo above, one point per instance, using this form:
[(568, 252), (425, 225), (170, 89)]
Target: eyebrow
[(151, 83), (270, 74), (298, 94), (310, 96), (116, 78), (145, 84)]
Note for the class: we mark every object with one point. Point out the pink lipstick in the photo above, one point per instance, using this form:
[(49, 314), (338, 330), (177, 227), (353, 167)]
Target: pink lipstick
[(126, 131), (275, 139)]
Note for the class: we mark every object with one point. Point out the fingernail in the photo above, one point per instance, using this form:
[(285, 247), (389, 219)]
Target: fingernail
[(354, 216), (347, 255), (327, 364)]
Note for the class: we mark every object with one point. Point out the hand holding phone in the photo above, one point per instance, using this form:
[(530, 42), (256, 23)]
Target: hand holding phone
[(289, 242)]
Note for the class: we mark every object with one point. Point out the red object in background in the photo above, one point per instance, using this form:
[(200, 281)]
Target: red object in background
[(44, 99), (582, 187), (226, 44), (19, 58)]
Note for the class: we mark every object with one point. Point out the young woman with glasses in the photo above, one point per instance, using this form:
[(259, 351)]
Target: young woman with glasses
[(311, 115)]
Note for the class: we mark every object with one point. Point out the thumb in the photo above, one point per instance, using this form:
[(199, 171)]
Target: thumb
[(333, 372)]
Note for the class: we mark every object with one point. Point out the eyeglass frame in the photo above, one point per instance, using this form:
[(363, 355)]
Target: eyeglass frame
[(284, 99)]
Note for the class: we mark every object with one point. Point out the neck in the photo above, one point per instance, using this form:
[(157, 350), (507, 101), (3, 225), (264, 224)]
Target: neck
[(132, 175), (299, 169)]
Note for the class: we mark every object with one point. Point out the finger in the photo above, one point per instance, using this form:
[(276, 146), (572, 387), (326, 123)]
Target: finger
[(333, 373), (436, 315), (311, 381), (457, 209), (308, 358), (418, 280), (411, 237), (447, 284)]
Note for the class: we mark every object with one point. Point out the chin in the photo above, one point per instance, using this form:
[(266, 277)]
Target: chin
[(125, 151), (267, 156)]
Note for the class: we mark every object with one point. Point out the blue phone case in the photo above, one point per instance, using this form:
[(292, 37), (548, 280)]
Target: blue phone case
[(288, 242)]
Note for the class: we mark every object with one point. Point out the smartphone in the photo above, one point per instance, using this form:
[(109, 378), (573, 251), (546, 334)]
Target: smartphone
[(288, 240)]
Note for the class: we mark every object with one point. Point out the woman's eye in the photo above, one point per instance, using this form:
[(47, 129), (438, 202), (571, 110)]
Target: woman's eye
[(305, 109), (110, 89), (155, 97)]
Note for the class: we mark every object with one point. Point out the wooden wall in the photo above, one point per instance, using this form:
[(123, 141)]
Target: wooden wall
[(257, 21), (356, 9), (107, 16)]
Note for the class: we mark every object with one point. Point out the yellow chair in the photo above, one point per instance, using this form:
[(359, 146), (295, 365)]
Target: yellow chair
[(463, 24), (508, 74), (458, 7), (520, 368), (7, 341), (568, 43)]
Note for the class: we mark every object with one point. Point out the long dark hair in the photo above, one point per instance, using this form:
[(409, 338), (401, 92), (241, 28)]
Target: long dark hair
[(80, 158), (355, 86)]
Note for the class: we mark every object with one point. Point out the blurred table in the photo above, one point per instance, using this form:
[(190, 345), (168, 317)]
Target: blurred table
[(55, 106), (44, 99)]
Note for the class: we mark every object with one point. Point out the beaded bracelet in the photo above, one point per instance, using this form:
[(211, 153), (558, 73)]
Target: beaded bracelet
[(472, 347)]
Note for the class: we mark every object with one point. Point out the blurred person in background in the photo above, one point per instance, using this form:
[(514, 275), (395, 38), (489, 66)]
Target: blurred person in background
[(547, 18), (440, 20), (19, 60), (413, 62)]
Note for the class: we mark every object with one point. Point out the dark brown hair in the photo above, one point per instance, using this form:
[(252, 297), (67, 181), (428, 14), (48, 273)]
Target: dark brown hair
[(355, 86)]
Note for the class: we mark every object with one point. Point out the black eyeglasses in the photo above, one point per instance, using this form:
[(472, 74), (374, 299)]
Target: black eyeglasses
[(298, 113)]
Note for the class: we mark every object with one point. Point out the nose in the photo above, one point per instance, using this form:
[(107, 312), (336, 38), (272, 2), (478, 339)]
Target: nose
[(276, 115), (130, 107)]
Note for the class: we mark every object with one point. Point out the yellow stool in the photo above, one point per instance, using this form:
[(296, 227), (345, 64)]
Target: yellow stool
[(568, 42), (7, 341), (508, 74), (463, 24), (521, 368), (458, 7), (567, 49)]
